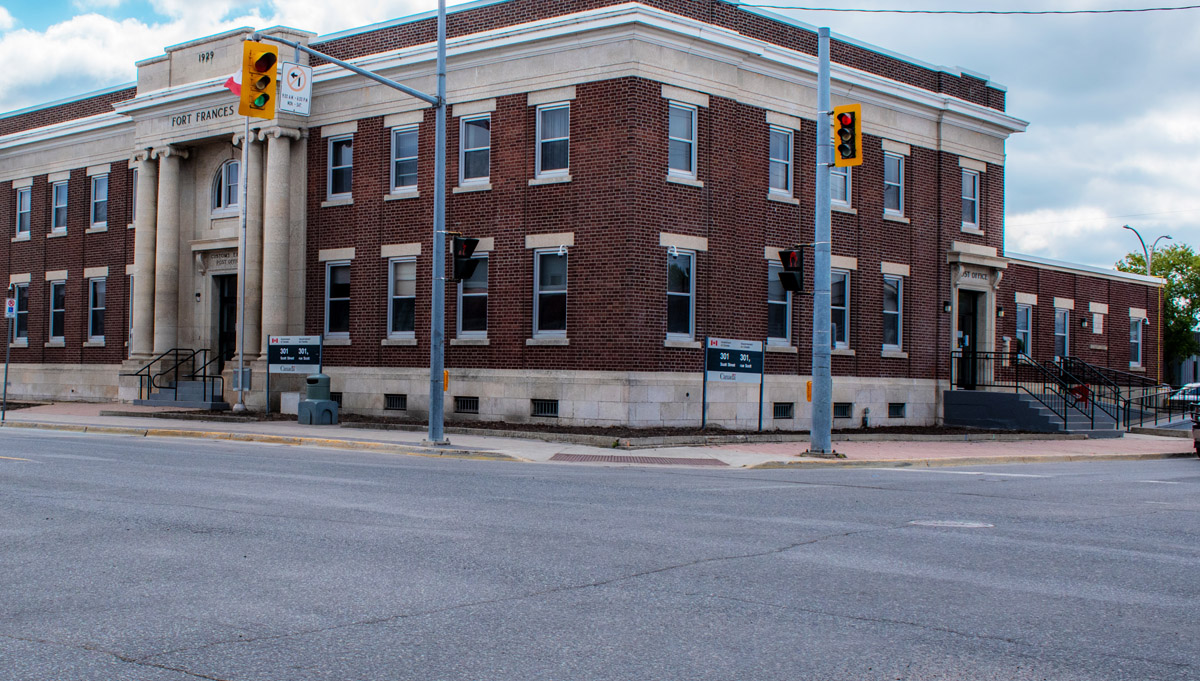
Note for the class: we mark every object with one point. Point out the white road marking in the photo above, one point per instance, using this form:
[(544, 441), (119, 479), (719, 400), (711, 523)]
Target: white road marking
[(1160, 482), (934, 470)]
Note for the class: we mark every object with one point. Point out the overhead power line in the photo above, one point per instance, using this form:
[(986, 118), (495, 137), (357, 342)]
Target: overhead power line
[(1128, 10)]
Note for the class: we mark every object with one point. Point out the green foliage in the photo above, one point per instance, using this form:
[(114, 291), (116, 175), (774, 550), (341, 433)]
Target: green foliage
[(1180, 266)]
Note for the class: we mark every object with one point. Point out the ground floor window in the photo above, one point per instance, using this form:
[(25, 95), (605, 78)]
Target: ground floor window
[(681, 288), (21, 291), (337, 299), (96, 308), (1062, 332), (893, 312), (472, 301), (402, 293), (1024, 317), (550, 293), (779, 307), (1135, 341), (58, 310), (839, 309)]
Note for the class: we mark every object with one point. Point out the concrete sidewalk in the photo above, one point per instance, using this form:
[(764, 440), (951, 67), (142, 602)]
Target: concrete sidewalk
[(81, 417)]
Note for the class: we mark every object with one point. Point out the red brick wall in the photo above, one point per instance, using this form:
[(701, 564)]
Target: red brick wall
[(80, 108)]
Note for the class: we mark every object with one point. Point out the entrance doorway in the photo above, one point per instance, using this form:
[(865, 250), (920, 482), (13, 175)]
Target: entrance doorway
[(967, 340), (226, 285)]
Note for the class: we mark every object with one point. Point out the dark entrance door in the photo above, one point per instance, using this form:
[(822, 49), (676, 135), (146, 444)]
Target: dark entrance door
[(226, 285), (967, 340)]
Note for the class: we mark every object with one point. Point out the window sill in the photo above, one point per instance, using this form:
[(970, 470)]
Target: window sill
[(55, 344), (392, 341), (1138, 369), (21, 237), (547, 341), (783, 198), (889, 217), (19, 343), (333, 202), (94, 230), (549, 179), (972, 230), (689, 181), (222, 214), (687, 345), (94, 344), (893, 354), (844, 352), (1097, 347), (470, 341), (464, 188), (101, 226), (335, 341), (129, 226), (843, 208), (401, 195), (780, 347), (56, 235)]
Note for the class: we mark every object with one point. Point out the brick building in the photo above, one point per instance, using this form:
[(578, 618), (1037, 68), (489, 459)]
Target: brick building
[(632, 170)]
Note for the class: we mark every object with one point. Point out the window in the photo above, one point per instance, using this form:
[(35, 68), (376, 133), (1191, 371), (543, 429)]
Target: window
[(402, 292), (1062, 331), (96, 290), (681, 287), (554, 139), (681, 140), (843, 410), (1024, 324), (22, 295), (1135, 341), (23, 210), (547, 408), (839, 185), (970, 198), (337, 299), (550, 294), (475, 149), (784, 410), (781, 161), (472, 302), (839, 308), (896, 410), (58, 207), (58, 309), (225, 187), (893, 311), (100, 201), (893, 184), (341, 166), (404, 159), (779, 307)]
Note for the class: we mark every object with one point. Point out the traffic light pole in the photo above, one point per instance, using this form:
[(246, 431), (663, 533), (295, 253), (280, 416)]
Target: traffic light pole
[(822, 396)]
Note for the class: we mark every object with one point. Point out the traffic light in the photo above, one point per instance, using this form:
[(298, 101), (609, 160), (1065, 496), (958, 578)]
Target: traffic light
[(258, 79), (464, 264), (792, 276), (847, 126)]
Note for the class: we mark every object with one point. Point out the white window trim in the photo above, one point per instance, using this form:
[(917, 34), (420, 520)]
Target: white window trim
[(402, 130), (1027, 350), (838, 171), (842, 345), (691, 334), (391, 293), (1136, 323), (462, 150), (27, 193), (329, 266), (900, 163), (791, 143), (50, 320), (458, 332), (675, 172), (537, 290), (899, 345), (220, 184), (772, 269), (92, 212), (558, 172), (92, 337), (974, 224), (329, 167), (54, 206)]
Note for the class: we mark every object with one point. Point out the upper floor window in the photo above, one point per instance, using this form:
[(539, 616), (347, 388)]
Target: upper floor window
[(839, 185), (1062, 332), (839, 309), (550, 293), (404, 159), (225, 187), (681, 140), (781, 161), (402, 292), (475, 149), (554, 139), (893, 184), (58, 310), (58, 207), (779, 307), (893, 312), (681, 296), (1024, 326), (21, 332), (341, 166), (970, 199), (96, 306), (473, 300), (337, 299), (100, 201), (24, 210), (1135, 341)]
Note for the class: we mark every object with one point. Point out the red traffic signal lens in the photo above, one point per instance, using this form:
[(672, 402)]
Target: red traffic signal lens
[(264, 62), (846, 118)]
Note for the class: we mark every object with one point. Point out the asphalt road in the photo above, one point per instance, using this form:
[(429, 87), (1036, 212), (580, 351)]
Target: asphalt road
[(155, 559)]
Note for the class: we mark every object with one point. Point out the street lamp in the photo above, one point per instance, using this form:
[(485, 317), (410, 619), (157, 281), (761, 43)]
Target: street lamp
[(1148, 252)]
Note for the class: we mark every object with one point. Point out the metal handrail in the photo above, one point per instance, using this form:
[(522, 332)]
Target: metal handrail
[(1005, 369), (209, 381), (148, 379), (1108, 397), (1133, 402)]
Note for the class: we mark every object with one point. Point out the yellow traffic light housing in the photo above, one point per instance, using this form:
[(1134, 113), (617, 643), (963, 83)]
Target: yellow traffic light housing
[(259, 67), (847, 137)]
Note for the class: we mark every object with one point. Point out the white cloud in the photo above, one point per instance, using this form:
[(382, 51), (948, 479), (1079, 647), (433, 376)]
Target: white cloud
[(88, 5), (6, 20)]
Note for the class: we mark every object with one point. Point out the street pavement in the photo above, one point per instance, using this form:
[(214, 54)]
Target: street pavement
[(135, 558)]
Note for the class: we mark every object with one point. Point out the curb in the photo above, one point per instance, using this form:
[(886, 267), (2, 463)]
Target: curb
[(967, 461), (361, 445)]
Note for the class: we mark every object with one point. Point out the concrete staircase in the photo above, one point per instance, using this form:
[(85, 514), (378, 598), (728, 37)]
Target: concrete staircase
[(1020, 411), (191, 395)]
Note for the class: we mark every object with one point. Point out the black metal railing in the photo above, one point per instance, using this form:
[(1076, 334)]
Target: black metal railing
[(1134, 399), (166, 371), (1059, 391)]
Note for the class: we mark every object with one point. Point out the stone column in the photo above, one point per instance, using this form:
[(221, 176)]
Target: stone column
[(166, 249), (253, 178), (141, 342), (276, 232)]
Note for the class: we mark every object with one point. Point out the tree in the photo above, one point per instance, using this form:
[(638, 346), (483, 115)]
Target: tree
[(1180, 266)]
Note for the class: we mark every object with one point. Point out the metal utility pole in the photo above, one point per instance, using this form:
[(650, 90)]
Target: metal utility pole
[(822, 395), (244, 181)]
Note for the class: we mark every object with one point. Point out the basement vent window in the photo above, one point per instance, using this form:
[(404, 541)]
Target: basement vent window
[(466, 405), (843, 410), (785, 410), (547, 408), (395, 402), (896, 410), (336, 397)]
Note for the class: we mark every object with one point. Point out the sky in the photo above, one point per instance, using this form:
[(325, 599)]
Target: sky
[(1112, 102)]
